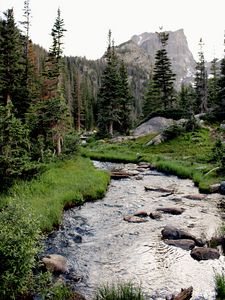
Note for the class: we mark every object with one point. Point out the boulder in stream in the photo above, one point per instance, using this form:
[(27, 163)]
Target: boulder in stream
[(185, 294), (204, 253), (196, 197), (155, 215), (141, 213), (55, 263), (183, 243), (159, 189), (171, 210), (134, 219), (173, 233)]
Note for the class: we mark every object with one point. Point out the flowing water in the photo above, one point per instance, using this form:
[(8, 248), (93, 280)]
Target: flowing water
[(103, 248)]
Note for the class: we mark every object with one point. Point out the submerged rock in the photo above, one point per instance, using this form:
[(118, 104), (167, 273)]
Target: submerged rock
[(134, 219), (171, 210), (155, 215), (196, 197), (141, 213), (203, 253), (183, 243), (173, 233)]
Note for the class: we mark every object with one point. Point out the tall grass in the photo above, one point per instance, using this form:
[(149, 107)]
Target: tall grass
[(65, 184), (220, 287), (121, 291)]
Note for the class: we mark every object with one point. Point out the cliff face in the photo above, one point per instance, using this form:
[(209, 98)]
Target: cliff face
[(141, 49)]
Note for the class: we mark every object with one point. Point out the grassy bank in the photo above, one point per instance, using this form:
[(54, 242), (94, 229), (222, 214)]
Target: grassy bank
[(64, 184), (187, 156)]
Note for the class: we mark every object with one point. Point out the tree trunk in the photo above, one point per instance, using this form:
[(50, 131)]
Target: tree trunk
[(59, 145), (111, 128)]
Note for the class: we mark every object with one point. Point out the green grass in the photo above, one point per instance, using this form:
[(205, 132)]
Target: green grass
[(121, 291), (220, 287), (65, 184), (187, 156)]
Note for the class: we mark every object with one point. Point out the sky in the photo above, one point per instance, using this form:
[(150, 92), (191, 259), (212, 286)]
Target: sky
[(88, 21)]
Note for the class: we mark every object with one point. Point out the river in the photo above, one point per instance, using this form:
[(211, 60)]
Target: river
[(103, 248)]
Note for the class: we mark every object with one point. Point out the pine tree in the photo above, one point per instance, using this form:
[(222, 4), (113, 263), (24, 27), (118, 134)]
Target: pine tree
[(221, 84), (186, 100), (15, 158), (50, 117), (12, 87), (109, 93), (213, 85), (201, 87), (152, 99), (125, 100), (163, 76)]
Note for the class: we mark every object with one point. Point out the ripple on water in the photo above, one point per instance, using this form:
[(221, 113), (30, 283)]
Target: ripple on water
[(113, 249)]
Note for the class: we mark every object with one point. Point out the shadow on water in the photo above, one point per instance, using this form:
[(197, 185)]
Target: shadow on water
[(103, 248)]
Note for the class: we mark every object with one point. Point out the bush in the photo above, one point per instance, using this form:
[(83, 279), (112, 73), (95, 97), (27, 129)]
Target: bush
[(122, 291), (19, 237), (173, 131), (70, 144)]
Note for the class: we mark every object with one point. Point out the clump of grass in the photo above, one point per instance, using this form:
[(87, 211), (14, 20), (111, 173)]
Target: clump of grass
[(220, 286), (121, 291), (69, 183)]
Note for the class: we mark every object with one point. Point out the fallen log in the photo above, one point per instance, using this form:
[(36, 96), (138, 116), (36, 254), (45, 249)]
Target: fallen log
[(185, 294)]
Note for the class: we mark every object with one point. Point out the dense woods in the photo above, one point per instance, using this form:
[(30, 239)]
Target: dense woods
[(48, 100)]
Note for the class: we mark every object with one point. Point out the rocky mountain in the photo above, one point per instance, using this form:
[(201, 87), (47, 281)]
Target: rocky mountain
[(140, 52)]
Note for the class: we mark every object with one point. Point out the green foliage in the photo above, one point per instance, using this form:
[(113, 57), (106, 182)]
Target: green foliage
[(121, 291), (173, 131), (19, 236), (67, 183), (15, 157), (220, 287), (70, 143)]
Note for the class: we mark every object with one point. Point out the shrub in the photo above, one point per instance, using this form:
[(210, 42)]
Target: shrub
[(173, 131), (121, 291), (19, 237)]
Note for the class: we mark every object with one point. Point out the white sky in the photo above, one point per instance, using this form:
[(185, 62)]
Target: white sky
[(88, 22)]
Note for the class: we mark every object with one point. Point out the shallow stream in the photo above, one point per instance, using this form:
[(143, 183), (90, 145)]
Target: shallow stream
[(103, 248)]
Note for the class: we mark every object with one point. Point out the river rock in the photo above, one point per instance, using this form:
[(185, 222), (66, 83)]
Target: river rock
[(155, 215), (134, 219), (173, 233), (196, 197), (171, 210), (183, 243), (203, 253), (222, 187), (159, 189), (141, 213), (215, 188), (55, 263), (185, 294)]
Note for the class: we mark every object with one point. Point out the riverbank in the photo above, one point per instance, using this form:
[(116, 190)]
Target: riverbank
[(65, 184), (187, 156)]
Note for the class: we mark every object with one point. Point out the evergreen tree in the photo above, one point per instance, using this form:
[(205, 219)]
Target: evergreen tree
[(125, 100), (109, 93), (163, 76), (201, 87), (186, 100), (152, 101), (15, 159), (12, 70), (50, 117), (213, 85), (221, 84)]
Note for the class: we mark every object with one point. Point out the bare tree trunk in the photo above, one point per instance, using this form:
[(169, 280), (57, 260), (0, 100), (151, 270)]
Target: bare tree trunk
[(78, 103), (111, 127)]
